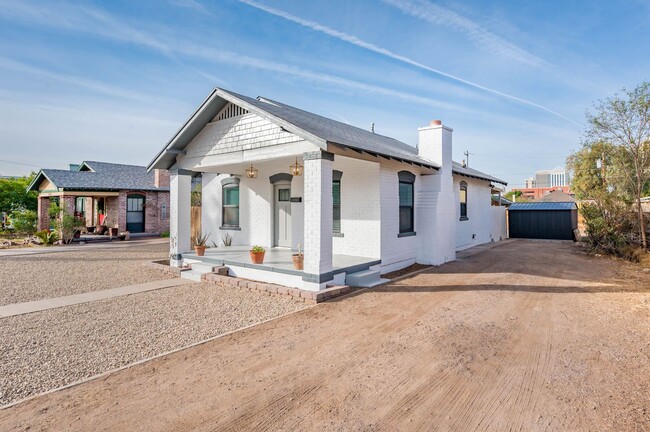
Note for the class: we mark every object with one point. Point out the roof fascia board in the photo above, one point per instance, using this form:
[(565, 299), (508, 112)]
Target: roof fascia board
[(35, 181), (180, 131), (480, 178)]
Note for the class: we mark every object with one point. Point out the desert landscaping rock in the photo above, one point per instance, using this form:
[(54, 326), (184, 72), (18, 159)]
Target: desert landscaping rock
[(36, 277), (49, 349)]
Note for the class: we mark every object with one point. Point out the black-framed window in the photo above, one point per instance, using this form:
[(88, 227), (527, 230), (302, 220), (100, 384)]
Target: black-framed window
[(463, 201), (230, 203), (80, 206), (406, 202), (336, 201)]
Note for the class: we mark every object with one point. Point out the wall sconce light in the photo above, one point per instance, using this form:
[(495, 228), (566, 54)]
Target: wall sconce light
[(296, 168), (251, 172)]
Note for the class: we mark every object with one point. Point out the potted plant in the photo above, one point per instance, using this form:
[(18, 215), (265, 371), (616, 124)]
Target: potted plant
[(298, 259), (199, 243), (257, 254)]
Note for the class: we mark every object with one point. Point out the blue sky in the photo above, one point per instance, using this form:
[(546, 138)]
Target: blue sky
[(114, 80)]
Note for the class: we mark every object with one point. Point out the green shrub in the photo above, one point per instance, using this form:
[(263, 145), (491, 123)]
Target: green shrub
[(165, 234), (47, 237), (25, 221), (257, 249)]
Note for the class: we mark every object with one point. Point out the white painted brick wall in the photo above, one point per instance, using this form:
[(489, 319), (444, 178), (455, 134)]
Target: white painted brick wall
[(481, 226), (360, 208), (396, 252), (179, 217), (318, 216)]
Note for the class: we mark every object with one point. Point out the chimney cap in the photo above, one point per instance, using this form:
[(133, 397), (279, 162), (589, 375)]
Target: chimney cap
[(436, 122)]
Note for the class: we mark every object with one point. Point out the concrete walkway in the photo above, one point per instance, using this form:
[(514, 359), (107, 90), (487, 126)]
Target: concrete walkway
[(69, 248), (40, 305)]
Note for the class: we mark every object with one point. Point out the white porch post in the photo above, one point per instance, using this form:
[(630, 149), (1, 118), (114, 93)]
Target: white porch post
[(318, 219), (179, 215)]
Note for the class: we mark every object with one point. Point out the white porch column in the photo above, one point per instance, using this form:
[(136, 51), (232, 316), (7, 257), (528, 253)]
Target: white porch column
[(318, 219), (179, 215)]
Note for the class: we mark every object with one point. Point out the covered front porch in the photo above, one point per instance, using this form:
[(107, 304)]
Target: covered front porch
[(328, 207), (278, 264)]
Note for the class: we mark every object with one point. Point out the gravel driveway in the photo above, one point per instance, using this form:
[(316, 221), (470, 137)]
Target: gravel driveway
[(35, 277), (49, 349)]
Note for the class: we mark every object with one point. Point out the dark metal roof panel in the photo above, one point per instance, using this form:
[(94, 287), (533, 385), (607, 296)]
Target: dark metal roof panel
[(543, 206)]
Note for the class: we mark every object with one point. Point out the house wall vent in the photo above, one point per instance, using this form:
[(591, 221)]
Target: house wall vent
[(229, 111)]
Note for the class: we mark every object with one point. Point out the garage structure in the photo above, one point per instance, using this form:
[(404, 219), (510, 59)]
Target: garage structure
[(543, 220)]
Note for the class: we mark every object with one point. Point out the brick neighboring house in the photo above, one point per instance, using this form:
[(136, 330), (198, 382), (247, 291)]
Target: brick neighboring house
[(126, 197)]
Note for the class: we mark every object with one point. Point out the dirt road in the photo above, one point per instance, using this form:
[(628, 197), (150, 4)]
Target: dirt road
[(525, 336)]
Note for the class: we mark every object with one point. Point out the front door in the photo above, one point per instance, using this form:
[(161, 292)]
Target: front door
[(135, 213), (282, 217)]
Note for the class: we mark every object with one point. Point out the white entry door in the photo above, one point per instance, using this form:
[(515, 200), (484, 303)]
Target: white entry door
[(282, 217)]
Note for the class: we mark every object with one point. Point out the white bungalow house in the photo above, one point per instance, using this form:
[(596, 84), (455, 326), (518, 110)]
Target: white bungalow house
[(360, 204)]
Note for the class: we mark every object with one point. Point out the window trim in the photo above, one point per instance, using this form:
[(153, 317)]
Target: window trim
[(463, 187), (336, 178), (407, 178), (230, 183)]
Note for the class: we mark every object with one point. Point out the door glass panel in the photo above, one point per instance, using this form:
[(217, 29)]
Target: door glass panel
[(284, 194)]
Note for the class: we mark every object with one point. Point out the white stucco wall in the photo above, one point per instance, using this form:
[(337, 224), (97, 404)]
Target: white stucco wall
[(360, 208), (480, 227)]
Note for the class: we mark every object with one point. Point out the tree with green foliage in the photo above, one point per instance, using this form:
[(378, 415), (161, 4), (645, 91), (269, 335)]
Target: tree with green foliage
[(14, 195), (623, 122), (25, 221)]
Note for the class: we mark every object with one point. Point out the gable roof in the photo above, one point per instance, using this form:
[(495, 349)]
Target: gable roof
[(557, 196), (100, 176), (312, 127)]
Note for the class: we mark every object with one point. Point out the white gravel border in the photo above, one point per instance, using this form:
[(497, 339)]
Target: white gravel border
[(136, 363)]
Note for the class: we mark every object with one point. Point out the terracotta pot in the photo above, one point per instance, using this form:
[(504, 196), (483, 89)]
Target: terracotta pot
[(257, 257), (200, 250), (298, 261)]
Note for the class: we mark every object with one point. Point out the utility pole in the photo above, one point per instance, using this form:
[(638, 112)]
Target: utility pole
[(602, 169), (467, 153)]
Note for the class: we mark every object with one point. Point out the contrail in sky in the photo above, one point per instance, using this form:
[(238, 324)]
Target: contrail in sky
[(387, 53)]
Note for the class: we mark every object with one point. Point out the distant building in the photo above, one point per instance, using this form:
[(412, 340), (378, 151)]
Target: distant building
[(545, 182), (551, 178)]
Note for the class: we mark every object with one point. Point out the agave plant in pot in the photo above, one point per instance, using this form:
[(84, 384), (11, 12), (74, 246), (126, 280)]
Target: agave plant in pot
[(257, 254), (298, 259), (199, 243)]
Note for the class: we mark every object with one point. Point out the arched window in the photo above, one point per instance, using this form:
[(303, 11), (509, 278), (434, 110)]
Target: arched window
[(463, 201), (406, 203)]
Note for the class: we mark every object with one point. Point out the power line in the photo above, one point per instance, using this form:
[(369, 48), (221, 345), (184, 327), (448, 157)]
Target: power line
[(19, 163)]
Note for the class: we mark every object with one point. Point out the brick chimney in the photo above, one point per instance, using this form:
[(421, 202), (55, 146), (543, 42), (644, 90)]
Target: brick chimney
[(435, 145), (161, 178)]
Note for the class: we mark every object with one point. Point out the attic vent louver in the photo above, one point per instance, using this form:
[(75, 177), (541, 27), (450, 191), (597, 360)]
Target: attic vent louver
[(229, 111)]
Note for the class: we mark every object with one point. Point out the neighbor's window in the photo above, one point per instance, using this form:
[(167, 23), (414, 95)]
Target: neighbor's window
[(463, 201), (80, 206), (336, 201), (231, 205), (406, 202), (163, 211)]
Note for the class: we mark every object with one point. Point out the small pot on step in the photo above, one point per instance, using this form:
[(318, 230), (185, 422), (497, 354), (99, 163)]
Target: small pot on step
[(200, 250), (257, 254), (298, 261)]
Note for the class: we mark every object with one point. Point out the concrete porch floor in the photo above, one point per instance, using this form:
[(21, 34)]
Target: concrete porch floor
[(276, 260)]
